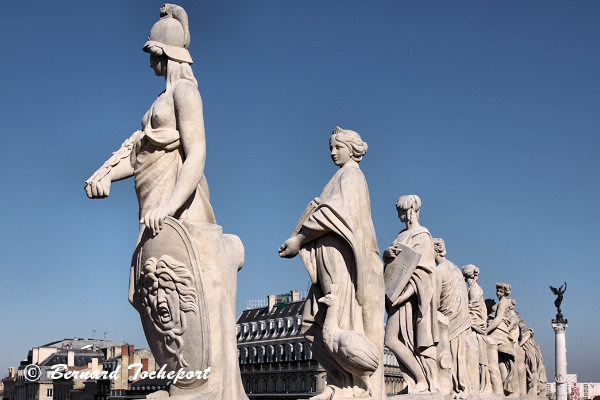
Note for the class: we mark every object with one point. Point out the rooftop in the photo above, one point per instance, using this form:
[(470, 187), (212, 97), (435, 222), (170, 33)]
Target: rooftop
[(279, 310), (81, 343)]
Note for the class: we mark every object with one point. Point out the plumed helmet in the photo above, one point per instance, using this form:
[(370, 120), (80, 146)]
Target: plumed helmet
[(171, 34)]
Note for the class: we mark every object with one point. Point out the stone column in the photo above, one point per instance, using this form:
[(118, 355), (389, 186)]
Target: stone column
[(560, 358)]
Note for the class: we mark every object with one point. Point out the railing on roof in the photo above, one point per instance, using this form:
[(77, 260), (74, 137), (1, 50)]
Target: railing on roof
[(256, 303), (281, 299)]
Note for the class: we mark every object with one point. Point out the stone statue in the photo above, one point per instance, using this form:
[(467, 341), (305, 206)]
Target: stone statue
[(454, 304), (184, 270), (516, 384), (534, 363), (344, 310), (501, 351), (559, 298), (478, 314), (412, 330)]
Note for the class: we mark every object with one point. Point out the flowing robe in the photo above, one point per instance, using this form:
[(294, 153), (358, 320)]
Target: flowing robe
[(345, 254), (157, 158), (454, 304), (478, 314), (533, 359), (418, 320), (501, 335)]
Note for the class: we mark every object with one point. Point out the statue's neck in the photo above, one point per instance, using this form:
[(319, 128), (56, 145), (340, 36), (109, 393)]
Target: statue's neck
[(412, 224)]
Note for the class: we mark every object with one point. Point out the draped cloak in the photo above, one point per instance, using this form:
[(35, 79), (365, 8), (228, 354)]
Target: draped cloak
[(501, 335), (454, 304), (478, 314), (454, 299), (157, 158), (419, 327), (346, 254)]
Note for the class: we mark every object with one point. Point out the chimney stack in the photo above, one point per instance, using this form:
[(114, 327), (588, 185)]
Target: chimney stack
[(295, 295), (11, 372), (70, 358), (271, 302)]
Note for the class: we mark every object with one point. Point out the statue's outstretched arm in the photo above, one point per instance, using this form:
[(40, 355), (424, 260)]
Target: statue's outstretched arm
[(117, 167)]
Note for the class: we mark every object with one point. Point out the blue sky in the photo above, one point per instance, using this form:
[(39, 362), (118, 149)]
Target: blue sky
[(487, 110)]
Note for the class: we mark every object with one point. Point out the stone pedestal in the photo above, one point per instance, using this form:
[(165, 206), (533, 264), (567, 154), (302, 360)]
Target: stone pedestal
[(560, 358), (421, 396)]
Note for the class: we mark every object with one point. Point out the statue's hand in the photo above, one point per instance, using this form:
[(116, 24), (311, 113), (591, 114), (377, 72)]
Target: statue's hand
[(390, 253), (155, 217), (98, 188), (291, 247)]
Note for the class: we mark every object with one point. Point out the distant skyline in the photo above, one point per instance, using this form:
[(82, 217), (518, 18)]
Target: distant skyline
[(487, 110)]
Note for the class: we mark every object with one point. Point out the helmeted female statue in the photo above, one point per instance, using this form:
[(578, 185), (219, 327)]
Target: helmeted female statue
[(184, 269)]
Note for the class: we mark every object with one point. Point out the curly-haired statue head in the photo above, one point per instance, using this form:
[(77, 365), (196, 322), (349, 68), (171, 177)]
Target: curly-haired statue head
[(352, 140), (167, 294), (503, 289), (471, 274), (470, 271), (440, 246)]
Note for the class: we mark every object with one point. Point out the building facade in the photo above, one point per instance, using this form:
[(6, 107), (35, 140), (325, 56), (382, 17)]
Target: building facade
[(575, 390), (84, 357), (276, 361)]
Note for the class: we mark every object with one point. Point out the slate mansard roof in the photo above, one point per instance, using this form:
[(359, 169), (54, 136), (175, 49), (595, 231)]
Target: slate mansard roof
[(262, 313)]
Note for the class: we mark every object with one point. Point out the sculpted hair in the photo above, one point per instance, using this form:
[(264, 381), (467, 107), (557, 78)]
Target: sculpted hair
[(177, 71), (439, 245), (352, 139), (470, 271), (505, 287), (155, 269), (184, 282), (409, 201)]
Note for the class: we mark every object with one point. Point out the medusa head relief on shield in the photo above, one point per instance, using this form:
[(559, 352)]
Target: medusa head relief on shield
[(167, 293)]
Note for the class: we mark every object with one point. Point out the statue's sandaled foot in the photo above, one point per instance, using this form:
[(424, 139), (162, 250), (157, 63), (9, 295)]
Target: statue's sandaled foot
[(160, 394)]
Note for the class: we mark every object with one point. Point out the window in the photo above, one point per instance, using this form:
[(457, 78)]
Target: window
[(49, 393)]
